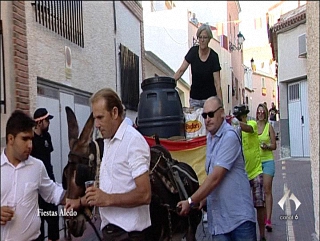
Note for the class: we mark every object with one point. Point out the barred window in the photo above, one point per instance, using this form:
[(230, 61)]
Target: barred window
[(294, 92), (63, 17)]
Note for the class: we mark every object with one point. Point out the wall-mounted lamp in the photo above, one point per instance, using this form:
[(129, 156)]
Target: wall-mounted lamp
[(240, 41)]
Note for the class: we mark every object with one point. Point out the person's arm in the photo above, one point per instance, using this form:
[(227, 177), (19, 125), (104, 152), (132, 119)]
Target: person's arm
[(50, 191), (141, 195), (228, 154), (245, 127), (181, 70), (273, 144), (217, 83), (209, 184)]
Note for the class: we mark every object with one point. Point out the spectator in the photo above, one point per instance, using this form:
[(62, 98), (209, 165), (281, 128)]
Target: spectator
[(23, 177), (124, 194), (268, 143), (205, 69), (41, 149), (251, 151), (265, 103), (273, 114), (226, 189)]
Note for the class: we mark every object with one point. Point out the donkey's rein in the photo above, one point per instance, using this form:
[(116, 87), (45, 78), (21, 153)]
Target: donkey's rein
[(98, 163), (173, 166)]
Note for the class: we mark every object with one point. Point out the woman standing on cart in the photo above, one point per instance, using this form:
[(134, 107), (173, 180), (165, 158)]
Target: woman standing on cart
[(205, 69)]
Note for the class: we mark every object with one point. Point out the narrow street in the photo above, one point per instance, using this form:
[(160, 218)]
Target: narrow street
[(290, 223)]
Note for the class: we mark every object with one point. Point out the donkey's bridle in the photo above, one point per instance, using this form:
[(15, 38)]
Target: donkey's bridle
[(90, 159), (90, 162)]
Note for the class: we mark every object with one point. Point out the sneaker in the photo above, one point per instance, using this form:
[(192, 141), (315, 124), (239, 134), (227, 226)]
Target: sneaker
[(268, 225)]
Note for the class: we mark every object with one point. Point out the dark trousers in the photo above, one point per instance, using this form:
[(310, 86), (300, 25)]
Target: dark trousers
[(52, 220), (114, 233)]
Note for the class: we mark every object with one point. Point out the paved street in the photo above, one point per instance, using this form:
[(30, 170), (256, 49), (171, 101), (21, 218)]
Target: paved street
[(293, 176)]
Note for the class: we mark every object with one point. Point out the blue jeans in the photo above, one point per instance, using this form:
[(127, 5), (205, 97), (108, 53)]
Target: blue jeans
[(244, 232)]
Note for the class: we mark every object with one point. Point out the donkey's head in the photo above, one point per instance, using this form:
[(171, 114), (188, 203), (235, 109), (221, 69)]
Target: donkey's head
[(80, 167)]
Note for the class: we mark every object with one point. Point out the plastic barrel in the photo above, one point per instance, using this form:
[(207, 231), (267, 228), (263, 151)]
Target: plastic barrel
[(160, 111)]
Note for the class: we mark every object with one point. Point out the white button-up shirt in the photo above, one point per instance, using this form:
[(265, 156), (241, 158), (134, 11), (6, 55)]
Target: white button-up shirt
[(22, 184), (125, 157)]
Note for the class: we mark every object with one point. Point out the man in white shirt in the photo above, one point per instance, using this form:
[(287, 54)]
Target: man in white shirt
[(124, 194), (23, 177)]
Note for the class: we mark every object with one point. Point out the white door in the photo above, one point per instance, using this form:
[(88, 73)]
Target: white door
[(55, 104), (55, 100), (298, 119), (51, 103), (305, 118)]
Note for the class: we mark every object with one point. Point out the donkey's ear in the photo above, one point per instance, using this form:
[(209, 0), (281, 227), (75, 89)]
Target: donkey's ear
[(73, 128), (87, 131)]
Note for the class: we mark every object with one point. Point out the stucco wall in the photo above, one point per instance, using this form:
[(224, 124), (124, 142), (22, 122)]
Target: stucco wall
[(92, 66), (257, 96), (313, 90), (290, 66), (236, 56), (128, 34)]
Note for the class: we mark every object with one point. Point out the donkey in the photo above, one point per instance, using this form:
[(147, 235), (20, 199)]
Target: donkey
[(83, 162), (81, 167)]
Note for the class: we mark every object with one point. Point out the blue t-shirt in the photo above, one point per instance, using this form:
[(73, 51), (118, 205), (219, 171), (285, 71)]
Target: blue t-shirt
[(230, 203)]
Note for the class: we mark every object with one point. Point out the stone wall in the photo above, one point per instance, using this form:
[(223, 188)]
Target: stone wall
[(313, 90)]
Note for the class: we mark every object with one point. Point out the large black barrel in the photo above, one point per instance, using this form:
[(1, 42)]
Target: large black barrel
[(160, 110)]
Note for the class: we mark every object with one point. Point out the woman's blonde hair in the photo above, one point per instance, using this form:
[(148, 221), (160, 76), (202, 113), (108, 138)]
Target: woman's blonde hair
[(205, 27), (266, 113)]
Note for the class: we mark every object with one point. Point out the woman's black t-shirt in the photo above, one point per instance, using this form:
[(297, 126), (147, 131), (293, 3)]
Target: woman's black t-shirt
[(202, 86)]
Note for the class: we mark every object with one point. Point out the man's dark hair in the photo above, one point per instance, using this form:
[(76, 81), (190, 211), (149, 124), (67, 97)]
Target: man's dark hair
[(19, 122)]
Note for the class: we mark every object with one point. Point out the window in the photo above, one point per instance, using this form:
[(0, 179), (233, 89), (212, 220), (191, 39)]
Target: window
[(236, 88), (233, 85), (2, 76), (294, 92), (263, 82), (63, 17)]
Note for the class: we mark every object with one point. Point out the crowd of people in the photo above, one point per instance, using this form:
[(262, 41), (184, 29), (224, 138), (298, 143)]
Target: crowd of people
[(240, 166)]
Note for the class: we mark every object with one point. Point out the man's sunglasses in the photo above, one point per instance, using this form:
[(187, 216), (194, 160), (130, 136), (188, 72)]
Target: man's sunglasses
[(210, 113)]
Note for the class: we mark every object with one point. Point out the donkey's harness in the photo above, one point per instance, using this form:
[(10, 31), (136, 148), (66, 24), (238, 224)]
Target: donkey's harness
[(90, 162)]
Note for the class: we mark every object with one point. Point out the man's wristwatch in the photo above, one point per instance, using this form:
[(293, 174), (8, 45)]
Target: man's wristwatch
[(191, 203)]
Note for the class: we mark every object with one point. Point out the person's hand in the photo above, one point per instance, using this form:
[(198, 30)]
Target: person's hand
[(235, 121), (72, 204), (264, 146), (203, 205), (96, 197), (184, 207), (6, 214)]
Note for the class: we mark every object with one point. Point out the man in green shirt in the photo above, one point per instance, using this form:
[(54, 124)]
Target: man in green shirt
[(253, 166)]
